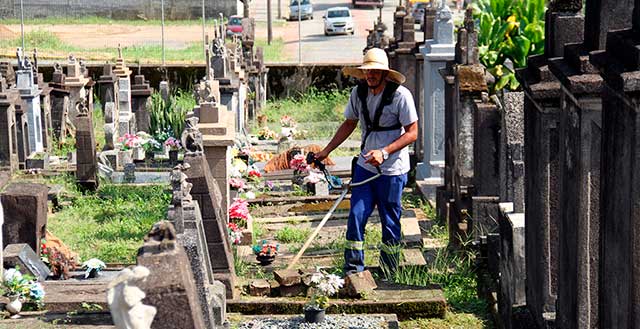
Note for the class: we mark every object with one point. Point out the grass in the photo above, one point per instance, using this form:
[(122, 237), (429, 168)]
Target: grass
[(106, 21), (110, 224), (290, 234), (51, 47), (273, 52), (318, 112)]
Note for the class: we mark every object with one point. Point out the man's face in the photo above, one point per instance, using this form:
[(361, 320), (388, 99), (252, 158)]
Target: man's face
[(375, 78)]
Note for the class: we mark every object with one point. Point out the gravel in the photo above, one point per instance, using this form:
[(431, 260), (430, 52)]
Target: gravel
[(332, 321)]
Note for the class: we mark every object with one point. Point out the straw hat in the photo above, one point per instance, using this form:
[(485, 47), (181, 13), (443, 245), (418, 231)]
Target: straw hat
[(374, 59)]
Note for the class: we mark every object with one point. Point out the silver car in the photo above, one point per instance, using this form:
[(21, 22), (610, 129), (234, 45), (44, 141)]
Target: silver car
[(305, 11)]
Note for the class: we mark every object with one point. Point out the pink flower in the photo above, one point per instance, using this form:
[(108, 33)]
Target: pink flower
[(239, 209), (299, 164), (237, 183)]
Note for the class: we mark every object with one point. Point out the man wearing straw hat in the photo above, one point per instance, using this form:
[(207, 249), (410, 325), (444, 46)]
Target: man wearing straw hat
[(389, 122)]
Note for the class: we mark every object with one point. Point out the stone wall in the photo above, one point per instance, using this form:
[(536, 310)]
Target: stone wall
[(117, 9)]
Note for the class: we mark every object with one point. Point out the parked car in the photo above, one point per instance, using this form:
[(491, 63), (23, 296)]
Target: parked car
[(234, 26), (338, 20), (367, 3), (305, 12)]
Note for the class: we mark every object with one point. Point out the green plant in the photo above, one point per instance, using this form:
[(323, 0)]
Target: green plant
[(290, 234), (511, 30), (169, 117)]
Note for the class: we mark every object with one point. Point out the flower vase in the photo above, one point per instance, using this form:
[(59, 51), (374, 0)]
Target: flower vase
[(93, 273), (286, 132), (137, 153), (265, 260), (173, 156), (14, 306), (313, 315)]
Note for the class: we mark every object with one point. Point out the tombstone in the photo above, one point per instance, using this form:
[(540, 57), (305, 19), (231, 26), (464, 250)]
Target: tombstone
[(25, 214), (620, 67), (86, 162), (31, 99), (511, 151), (6, 70), (170, 286), (219, 60), (186, 217), (8, 128), (59, 97), (75, 82), (23, 256), (125, 122), (110, 125), (45, 105), (511, 291), (564, 24), (141, 103), (107, 85), (206, 191), (436, 53)]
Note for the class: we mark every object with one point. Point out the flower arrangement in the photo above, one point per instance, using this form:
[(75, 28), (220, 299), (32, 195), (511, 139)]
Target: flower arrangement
[(287, 121), (172, 143), (237, 183), (235, 233), (238, 168), (265, 249), (93, 267), (265, 133), (239, 211), (128, 141), (24, 286), (315, 176), (325, 285), (299, 164), (254, 174)]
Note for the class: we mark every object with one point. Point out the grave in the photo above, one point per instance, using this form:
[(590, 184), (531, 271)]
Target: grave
[(76, 83), (25, 214), (170, 287), (30, 95), (436, 52), (125, 123), (619, 66), (45, 104), (8, 126), (86, 162), (185, 215), (207, 192), (141, 102), (60, 103)]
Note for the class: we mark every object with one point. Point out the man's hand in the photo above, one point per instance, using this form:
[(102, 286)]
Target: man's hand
[(321, 155), (374, 157)]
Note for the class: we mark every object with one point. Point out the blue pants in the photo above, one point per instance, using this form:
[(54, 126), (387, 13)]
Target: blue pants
[(385, 192)]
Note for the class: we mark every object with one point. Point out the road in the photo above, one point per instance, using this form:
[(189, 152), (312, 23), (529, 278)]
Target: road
[(316, 47)]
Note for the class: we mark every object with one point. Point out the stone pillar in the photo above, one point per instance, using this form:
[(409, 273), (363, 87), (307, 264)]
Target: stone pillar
[(59, 98), (436, 53), (31, 98), (511, 292), (8, 129), (580, 136), (86, 164), (170, 287), (620, 284), (564, 24), (107, 86), (141, 103), (25, 214), (511, 153), (185, 215), (75, 82), (46, 123), (125, 120)]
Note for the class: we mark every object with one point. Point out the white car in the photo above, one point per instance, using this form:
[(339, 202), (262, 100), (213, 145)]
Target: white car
[(338, 20)]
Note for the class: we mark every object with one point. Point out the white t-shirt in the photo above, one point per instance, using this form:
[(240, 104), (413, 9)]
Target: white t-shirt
[(401, 109)]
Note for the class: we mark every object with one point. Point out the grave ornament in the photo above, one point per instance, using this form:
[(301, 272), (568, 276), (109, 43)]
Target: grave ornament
[(125, 300), (180, 186), (192, 137), (161, 237)]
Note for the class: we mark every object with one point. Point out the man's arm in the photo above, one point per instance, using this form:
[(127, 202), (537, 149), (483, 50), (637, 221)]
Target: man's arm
[(410, 135), (344, 131)]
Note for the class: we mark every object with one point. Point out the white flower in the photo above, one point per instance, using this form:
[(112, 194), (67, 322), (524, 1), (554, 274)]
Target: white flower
[(335, 281), (250, 195), (11, 274), (94, 263), (316, 277)]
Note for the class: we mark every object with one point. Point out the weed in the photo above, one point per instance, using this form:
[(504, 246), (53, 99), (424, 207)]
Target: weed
[(258, 232), (241, 266), (290, 234), (110, 223)]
